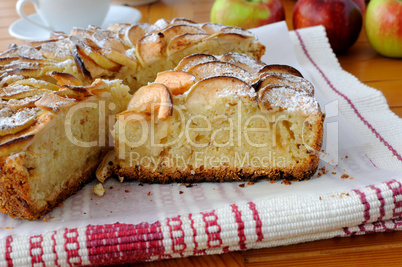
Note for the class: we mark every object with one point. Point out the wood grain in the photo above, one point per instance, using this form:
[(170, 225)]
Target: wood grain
[(351, 251), (384, 74)]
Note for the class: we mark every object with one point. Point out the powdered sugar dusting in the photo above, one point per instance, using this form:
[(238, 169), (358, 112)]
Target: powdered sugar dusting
[(58, 50), (151, 38), (289, 99), (56, 104), (3, 104), (159, 25), (218, 68), (13, 103), (236, 90), (10, 79), (102, 35), (212, 27), (65, 63), (197, 59), (10, 118), (237, 30), (15, 90), (147, 27), (242, 60), (131, 53), (22, 65), (35, 81), (28, 52), (299, 83)]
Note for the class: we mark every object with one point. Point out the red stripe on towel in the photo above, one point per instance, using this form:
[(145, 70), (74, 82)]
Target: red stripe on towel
[(212, 229), (258, 222), (240, 227), (124, 243), (365, 204), (36, 249), (382, 202), (9, 249), (72, 246), (196, 251), (396, 188), (176, 234), (372, 129), (54, 249)]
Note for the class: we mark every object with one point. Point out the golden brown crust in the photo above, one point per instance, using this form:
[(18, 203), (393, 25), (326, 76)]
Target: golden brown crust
[(13, 143), (302, 171), (15, 191), (89, 58), (24, 168), (259, 51), (286, 92)]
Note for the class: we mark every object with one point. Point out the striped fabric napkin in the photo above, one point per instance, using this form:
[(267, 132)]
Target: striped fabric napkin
[(357, 191)]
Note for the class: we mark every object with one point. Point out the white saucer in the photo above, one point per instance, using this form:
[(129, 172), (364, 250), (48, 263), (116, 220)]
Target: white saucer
[(24, 30)]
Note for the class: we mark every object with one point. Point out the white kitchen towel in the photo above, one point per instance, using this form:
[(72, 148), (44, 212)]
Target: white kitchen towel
[(292, 215), (365, 107)]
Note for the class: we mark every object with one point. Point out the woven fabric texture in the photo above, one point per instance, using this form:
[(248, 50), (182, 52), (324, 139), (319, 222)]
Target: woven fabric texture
[(279, 221)]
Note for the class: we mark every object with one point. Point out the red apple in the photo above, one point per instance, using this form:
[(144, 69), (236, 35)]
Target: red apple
[(247, 13), (361, 4), (384, 27), (342, 20)]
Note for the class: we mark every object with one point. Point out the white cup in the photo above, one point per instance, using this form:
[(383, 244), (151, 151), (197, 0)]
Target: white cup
[(63, 15)]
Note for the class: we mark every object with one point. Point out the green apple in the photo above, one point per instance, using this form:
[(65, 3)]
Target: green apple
[(247, 13), (384, 27)]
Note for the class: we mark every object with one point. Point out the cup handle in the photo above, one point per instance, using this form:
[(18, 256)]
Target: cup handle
[(19, 6)]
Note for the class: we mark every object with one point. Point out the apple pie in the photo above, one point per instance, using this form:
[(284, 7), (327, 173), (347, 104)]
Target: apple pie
[(59, 96), (220, 118)]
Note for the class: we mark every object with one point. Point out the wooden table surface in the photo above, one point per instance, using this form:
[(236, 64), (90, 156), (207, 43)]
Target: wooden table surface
[(385, 74)]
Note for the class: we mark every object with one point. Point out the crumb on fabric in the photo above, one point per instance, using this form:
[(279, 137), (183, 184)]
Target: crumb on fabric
[(323, 170), (99, 190)]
